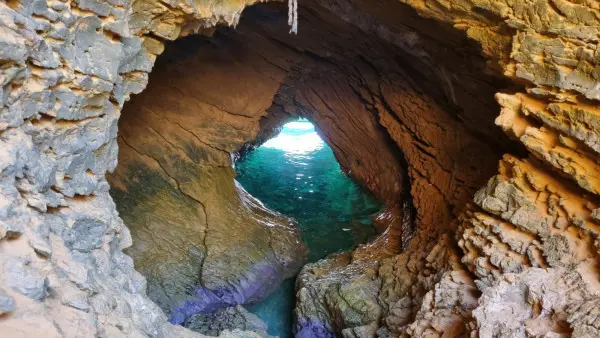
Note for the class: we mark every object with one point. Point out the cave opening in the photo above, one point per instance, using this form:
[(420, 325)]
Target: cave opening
[(296, 173), (220, 254)]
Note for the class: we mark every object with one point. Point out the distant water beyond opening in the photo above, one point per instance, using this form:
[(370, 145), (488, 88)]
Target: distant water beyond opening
[(297, 175)]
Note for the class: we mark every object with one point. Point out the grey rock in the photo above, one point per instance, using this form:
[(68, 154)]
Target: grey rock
[(85, 234), (39, 239), (136, 58), (25, 279), (99, 7), (7, 303), (88, 51), (40, 7), (12, 46), (120, 28), (11, 230)]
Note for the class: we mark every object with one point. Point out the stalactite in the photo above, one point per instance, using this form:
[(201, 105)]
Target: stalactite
[(293, 16)]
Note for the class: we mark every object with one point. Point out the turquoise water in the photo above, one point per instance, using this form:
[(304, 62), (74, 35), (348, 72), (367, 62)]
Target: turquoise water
[(297, 174)]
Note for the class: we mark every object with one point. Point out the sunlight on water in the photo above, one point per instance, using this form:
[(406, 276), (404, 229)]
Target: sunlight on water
[(297, 174)]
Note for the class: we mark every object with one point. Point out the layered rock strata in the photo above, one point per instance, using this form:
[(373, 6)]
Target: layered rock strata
[(67, 68), (532, 231), (201, 240), (415, 88)]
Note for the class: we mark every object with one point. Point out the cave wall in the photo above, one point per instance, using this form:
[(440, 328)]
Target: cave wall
[(200, 239), (539, 211), (365, 94), (193, 228), (531, 233), (67, 69), (394, 136)]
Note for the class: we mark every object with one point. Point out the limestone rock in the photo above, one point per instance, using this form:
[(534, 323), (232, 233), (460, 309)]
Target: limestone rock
[(335, 295), (537, 302), (7, 303), (233, 318), (409, 81), (62, 84), (29, 282)]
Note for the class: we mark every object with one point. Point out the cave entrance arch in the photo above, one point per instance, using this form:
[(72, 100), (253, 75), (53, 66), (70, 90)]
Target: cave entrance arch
[(205, 244)]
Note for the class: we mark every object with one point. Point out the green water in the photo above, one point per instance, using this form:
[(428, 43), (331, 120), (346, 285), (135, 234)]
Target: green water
[(297, 174)]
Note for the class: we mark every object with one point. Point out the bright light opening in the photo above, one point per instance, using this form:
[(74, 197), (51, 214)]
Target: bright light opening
[(297, 138)]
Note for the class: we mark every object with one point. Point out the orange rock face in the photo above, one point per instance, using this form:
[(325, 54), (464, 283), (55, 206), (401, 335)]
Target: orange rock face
[(412, 95), (397, 136), (407, 104)]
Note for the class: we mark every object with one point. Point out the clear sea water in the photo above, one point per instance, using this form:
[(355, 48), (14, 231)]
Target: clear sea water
[(297, 174)]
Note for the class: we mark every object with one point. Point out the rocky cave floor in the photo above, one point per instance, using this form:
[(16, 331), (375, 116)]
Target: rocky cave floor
[(475, 122)]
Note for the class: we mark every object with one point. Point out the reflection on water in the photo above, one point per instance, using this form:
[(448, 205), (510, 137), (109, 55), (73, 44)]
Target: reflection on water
[(296, 174)]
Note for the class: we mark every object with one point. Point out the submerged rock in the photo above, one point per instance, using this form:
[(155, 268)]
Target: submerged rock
[(231, 318)]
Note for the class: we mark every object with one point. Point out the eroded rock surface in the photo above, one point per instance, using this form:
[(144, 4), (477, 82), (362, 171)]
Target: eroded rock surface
[(67, 68), (403, 91), (226, 319), (200, 239)]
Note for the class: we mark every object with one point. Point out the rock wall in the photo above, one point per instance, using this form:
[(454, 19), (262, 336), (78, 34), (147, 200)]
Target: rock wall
[(67, 68), (532, 227), (531, 233), (192, 227), (394, 135), (200, 239)]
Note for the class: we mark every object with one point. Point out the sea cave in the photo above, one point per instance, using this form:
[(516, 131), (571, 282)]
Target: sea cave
[(300, 169)]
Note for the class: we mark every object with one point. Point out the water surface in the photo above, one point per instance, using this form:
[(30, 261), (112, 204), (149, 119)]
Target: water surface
[(297, 174)]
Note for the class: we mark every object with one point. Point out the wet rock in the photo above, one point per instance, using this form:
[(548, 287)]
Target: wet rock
[(233, 318), (199, 238), (335, 294), (313, 328)]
